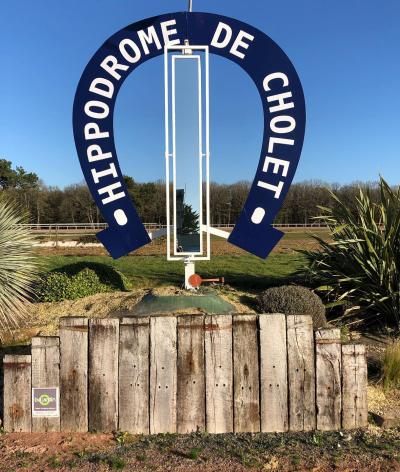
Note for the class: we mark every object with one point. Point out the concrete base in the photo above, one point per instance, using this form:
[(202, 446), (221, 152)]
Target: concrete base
[(186, 304)]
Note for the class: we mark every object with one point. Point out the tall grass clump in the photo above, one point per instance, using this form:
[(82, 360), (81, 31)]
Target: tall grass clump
[(391, 366), (360, 267), (18, 268)]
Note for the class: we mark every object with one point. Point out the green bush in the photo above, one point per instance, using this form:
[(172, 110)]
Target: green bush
[(58, 286), (107, 275), (293, 300), (361, 266), (80, 280), (391, 366)]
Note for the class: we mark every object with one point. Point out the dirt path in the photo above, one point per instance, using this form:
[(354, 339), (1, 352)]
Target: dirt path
[(373, 451)]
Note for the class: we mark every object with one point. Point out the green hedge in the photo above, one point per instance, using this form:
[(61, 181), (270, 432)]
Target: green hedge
[(80, 280)]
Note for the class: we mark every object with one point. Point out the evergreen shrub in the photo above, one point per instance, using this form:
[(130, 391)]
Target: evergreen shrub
[(293, 300)]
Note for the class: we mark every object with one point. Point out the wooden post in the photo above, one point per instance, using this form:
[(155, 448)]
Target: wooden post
[(219, 375), (246, 374), (134, 375), (103, 374), (17, 393), (163, 374), (328, 379), (191, 380), (273, 373), (74, 374), (45, 373), (301, 368), (355, 382)]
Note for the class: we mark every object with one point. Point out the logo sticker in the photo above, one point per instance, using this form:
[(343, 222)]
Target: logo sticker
[(45, 402)]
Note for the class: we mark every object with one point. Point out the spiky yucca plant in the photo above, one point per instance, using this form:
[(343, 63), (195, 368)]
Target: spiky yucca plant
[(18, 268), (361, 266)]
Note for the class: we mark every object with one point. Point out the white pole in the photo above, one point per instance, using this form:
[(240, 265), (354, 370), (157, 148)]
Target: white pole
[(189, 271), (190, 7)]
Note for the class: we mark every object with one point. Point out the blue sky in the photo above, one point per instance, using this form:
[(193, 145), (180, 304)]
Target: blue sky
[(346, 53)]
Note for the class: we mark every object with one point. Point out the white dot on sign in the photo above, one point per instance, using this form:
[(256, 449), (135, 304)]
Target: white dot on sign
[(258, 215), (120, 217)]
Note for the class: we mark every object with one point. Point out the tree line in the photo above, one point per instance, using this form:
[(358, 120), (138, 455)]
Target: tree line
[(44, 204)]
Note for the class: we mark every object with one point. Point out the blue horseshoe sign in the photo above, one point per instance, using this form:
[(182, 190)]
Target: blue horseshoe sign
[(284, 121)]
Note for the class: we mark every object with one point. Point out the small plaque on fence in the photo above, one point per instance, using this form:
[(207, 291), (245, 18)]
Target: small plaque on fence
[(46, 402)]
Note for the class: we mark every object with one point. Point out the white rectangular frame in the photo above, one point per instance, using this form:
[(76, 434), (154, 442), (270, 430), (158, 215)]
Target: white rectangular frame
[(204, 228), (200, 151)]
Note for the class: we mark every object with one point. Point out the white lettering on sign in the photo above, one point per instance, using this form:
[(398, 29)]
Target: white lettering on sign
[(286, 128), (276, 164), (166, 32), (280, 124), (280, 98), (223, 36), (95, 153), (110, 65), (276, 75), (149, 38), (93, 105), (223, 31), (92, 131), (112, 196), (239, 43), (275, 140), (131, 51), (97, 175), (277, 189), (103, 87)]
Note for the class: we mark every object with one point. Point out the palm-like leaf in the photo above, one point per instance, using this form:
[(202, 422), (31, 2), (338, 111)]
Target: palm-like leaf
[(18, 268), (362, 263)]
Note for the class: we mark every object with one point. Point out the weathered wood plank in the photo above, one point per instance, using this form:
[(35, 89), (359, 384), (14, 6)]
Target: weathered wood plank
[(246, 388), (354, 386), (219, 373), (273, 373), (74, 374), (134, 375), (328, 379), (301, 369), (163, 359), (17, 393), (191, 380), (103, 374), (45, 373)]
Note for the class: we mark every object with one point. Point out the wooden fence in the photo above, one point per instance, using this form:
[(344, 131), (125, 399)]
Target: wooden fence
[(240, 373)]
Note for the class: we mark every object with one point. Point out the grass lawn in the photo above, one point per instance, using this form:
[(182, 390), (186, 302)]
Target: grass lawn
[(150, 271)]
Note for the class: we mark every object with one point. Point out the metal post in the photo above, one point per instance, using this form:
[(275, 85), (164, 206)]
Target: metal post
[(190, 5), (189, 270)]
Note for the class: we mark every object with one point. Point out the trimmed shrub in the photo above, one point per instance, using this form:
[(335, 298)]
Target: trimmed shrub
[(293, 300), (54, 287), (80, 280), (58, 286), (107, 275)]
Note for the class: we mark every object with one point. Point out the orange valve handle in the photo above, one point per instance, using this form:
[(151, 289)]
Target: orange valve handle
[(195, 280)]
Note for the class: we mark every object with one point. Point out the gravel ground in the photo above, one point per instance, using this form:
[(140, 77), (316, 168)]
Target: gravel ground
[(373, 450)]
